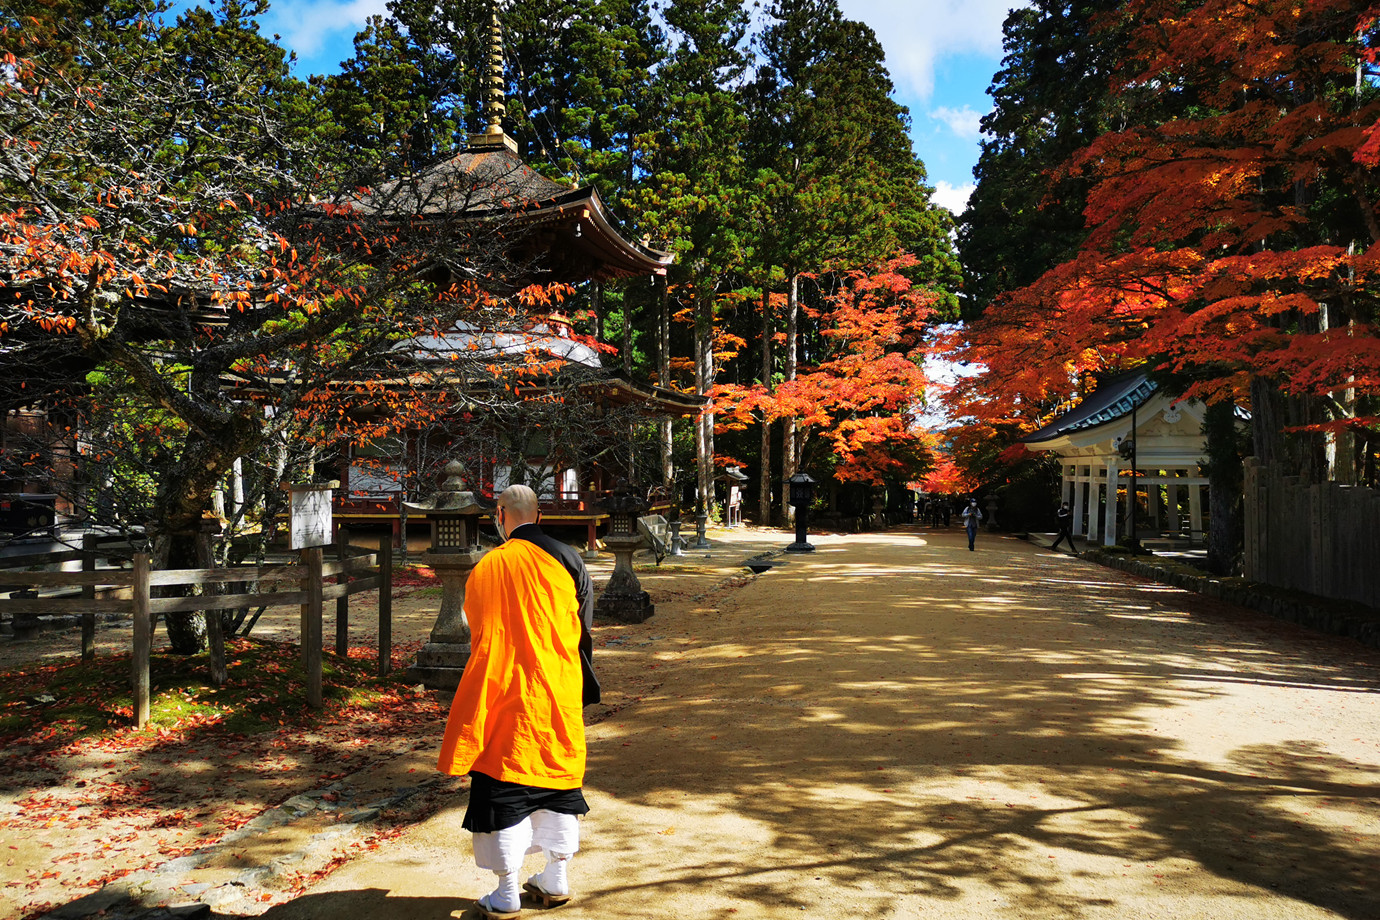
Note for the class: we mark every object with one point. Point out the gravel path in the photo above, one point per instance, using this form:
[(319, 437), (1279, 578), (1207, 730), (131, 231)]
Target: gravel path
[(897, 727)]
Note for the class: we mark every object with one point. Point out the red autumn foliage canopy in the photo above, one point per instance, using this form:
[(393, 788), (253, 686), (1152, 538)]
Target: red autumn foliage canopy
[(858, 402), (1237, 240)]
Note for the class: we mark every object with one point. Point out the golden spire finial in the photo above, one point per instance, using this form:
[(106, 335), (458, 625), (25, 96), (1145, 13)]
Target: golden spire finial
[(494, 108)]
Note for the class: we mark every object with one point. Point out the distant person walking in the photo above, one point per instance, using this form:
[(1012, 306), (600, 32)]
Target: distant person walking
[(971, 515), (1065, 517), (516, 725)]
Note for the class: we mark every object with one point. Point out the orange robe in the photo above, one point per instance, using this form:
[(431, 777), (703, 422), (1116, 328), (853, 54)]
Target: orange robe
[(517, 715)]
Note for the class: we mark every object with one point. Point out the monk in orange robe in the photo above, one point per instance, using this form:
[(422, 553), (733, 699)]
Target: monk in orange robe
[(516, 724)]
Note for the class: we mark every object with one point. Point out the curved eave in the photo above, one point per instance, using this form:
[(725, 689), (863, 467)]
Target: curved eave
[(632, 257), (1103, 432), (1108, 405), (591, 230), (657, 400), (1184, 446)]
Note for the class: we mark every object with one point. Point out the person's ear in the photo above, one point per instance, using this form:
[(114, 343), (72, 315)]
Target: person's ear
[(538, 520)]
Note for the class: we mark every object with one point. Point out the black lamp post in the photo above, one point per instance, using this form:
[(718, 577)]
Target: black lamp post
[(802, 496), (1127, 449)]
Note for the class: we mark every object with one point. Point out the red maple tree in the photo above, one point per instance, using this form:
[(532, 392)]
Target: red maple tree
[(856, 406), (1235, 245)]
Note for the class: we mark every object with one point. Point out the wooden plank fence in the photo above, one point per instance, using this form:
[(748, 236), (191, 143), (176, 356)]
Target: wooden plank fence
[(1318, 538), (353, 571)]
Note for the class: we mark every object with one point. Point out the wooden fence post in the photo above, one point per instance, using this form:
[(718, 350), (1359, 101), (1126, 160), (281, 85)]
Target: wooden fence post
[(215, 646), (88, 619), (311, 624), (385, 605), (143, 639), (342, 603)]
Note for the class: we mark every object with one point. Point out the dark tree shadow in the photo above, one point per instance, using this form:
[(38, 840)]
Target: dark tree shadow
[(808, 728), (370, 904)]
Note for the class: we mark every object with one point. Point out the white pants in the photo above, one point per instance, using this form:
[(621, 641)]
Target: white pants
[(503, 851)]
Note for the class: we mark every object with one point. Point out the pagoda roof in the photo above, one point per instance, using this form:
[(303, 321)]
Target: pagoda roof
[(571, 231), (551, 342)]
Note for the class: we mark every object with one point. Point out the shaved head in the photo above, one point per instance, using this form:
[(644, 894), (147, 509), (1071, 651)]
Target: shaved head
[(519, 504)]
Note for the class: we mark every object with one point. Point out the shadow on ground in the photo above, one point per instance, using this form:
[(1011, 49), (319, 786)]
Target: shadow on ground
[(1064, 702), (369, 902)]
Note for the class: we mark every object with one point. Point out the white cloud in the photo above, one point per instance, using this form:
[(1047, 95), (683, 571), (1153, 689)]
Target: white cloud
[(307, 27), (917, 33), (953, 197), (965, 122)]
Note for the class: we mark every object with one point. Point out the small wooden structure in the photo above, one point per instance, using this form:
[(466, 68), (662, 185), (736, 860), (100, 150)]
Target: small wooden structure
[(733, 478), (1097, 482), (353, 570)]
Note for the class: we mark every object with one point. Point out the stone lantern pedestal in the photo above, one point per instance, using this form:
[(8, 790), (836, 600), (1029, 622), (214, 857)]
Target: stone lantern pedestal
[(701, 525), (623, 599), (454, 515), (441, 661)]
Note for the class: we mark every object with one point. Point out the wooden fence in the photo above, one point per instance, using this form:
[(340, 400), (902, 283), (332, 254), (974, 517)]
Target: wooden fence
[(228, 588), (1318, 538)]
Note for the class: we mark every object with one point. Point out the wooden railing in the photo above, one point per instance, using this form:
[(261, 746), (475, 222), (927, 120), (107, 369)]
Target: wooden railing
[(352, 570)]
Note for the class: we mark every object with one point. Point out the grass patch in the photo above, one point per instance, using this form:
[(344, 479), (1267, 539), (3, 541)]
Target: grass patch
[(266, 689)]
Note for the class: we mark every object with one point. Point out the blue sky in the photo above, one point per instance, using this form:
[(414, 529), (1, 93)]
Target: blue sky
[(941, 54)]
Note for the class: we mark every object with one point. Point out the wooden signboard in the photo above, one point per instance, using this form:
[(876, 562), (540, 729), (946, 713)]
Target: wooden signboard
[(309, 521)]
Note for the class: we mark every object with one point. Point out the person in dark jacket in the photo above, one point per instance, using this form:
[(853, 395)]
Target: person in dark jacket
[(1065, 517)]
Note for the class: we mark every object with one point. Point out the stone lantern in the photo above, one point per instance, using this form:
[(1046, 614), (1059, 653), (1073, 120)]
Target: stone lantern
[(991, 502), (454, 515), (802, 495), (623, 598)]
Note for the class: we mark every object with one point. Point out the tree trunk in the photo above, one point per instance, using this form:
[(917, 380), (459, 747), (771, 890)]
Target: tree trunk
[(789, 458), (1225, 483), (1340, 446), (1290, 453), (668, 470), (627, 338), (764, 473), (596, 301), (704, 380), (180, 541), (1266, 431), (175, 549)]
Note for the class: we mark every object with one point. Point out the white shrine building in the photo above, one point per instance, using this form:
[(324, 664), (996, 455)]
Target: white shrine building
[(1090, 440)]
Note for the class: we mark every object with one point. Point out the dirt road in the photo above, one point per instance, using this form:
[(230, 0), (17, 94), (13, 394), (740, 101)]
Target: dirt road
[(897, 727)]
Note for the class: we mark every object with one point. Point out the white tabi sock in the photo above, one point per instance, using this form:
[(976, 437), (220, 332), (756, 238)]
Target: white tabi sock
[(501, 853), (554, 878), (506, 896)]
